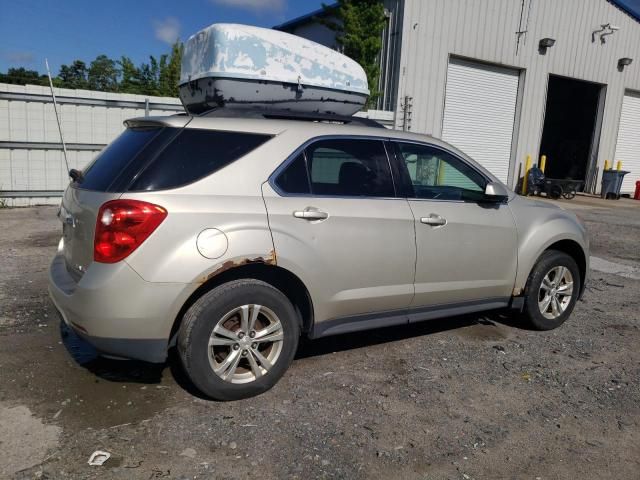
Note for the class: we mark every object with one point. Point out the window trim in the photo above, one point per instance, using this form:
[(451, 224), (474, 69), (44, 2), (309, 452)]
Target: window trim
[(407, 188), (390, 144), (303, 149)]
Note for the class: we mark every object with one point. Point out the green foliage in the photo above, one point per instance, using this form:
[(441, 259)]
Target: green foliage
[(103, 74), (157, 77), (74, 75), (358, 25), (22, 76)]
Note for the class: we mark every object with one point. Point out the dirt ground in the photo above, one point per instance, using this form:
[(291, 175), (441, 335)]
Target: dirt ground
[(473, 397)]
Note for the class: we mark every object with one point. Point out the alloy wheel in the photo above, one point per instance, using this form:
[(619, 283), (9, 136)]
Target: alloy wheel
[(245, 343), (555, 292)]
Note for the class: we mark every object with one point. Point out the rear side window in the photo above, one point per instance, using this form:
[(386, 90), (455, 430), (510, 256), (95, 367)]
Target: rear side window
[(350, 168), (193, 155), (109, 163)]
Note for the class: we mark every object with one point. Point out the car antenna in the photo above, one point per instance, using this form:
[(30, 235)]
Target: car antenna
[(76, 174)]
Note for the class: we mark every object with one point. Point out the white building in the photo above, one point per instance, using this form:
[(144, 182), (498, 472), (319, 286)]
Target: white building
[(503, 79)]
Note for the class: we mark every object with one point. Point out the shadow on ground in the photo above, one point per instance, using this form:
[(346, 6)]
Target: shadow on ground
[(114, 370)]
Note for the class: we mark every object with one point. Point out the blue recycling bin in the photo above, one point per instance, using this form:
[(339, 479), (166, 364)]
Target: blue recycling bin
[(612, 183)]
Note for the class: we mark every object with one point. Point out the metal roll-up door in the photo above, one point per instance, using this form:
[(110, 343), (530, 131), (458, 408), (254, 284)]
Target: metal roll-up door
[(479, 112), (628, 146)]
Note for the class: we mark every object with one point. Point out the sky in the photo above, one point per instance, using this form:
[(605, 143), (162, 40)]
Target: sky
[(65, 30)]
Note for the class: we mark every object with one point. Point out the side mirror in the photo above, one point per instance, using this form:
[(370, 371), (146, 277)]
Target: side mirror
[(496, 192)]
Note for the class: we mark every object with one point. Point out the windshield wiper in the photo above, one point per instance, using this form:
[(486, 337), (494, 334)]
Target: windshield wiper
[(76, 175)]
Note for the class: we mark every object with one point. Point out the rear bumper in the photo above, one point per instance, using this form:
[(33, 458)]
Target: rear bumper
[(115, 310)]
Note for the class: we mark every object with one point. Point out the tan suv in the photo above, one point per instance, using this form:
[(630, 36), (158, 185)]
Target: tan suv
[(229, 238)]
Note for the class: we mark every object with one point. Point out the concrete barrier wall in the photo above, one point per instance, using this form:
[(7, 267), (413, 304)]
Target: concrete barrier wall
[(32, 168)]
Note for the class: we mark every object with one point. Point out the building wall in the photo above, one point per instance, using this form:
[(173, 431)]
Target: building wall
[(434, 30), (31, 156)]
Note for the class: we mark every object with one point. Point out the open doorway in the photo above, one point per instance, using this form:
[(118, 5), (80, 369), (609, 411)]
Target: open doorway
[(571, 120)]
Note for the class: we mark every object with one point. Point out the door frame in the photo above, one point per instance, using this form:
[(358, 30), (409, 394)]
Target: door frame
[(591, 172)]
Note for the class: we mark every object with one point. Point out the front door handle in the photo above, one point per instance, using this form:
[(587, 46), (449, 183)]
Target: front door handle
[(434, 220), (311, 214)]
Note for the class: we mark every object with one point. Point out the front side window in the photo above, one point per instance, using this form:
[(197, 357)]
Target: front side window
[(349, 168), (437, 174)]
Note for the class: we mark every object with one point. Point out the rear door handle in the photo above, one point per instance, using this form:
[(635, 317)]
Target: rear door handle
[(310, 214), (434, 220)]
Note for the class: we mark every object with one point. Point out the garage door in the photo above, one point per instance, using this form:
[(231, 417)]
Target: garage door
[(628, 146), (479, 111)]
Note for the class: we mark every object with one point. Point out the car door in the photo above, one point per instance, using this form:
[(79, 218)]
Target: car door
[(466, 246), (338, 225)]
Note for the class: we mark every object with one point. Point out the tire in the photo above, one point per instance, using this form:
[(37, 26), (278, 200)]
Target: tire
[(230, 301), (536, 295), (555, 192)]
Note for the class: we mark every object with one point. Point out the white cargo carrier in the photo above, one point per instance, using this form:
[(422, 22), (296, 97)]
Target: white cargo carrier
[(240, 66)]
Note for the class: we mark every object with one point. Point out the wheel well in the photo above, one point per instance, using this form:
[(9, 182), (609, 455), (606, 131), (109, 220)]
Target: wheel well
[(280, 278), (574, 250)]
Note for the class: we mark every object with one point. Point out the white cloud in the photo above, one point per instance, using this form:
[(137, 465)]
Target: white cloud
[(167, 30), (254, 5), (19, 57)]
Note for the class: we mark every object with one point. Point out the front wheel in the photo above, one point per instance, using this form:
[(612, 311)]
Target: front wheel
[(552, 290), (237, 340)]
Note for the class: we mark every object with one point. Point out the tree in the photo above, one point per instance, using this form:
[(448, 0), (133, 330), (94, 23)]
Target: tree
[(170, 71), (160, 76), (130, 81), (74, 76), (22, 76), (149, 73), (103, 74), (358, 25)]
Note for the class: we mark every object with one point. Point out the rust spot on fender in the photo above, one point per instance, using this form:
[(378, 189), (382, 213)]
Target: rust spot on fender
[(268, 259)]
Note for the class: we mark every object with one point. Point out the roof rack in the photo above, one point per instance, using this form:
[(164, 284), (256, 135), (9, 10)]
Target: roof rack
[(289, 115)]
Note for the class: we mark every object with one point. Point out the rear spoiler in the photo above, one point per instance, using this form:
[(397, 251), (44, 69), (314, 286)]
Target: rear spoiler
[(176, 121)]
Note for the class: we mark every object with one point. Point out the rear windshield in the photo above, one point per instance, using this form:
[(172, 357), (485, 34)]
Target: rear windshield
[(146, 159)]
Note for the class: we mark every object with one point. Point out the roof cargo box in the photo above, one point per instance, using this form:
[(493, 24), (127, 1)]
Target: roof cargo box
[(239, 66)]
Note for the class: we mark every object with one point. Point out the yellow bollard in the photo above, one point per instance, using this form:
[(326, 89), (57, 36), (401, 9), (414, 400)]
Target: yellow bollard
[(543, 162), (527, 167), (619, 165), (441, 172), (606, 164)]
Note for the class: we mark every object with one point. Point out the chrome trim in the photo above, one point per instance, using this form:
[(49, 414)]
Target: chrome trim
[(301, 149)]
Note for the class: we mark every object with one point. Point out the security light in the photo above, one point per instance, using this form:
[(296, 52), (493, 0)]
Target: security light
[(547, 42), (623, 62), (544, 44)]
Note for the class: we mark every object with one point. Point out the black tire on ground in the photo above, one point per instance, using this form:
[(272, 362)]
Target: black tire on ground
[(547, 261), (200, 319), (555, 191)]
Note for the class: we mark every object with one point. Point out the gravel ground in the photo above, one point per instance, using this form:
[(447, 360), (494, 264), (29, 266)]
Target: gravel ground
[(468, 397)]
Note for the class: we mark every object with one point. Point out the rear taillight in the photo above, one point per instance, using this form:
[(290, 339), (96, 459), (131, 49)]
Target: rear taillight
[(122, 226)]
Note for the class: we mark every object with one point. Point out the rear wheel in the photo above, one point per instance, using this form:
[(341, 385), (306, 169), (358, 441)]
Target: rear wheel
[(237, 340), (552, 290)]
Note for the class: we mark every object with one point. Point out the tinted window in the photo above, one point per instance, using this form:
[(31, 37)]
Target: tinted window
[(437, 174), (349, 167), (109, 163), (293, 178), (193, 155)]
